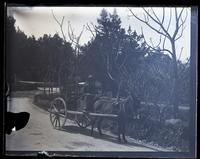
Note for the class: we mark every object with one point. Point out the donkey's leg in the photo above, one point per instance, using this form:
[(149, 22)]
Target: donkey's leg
[(124, 137), (99, 126), (124, 130), (92, 125), (119, 131), (119, 137)]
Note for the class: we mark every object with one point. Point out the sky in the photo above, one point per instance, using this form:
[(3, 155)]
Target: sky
[(38, 21)]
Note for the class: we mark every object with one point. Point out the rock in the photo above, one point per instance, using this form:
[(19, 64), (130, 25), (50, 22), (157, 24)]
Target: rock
[(172, 122)]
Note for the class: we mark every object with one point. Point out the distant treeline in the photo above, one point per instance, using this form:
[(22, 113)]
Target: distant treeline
[(116, 57)]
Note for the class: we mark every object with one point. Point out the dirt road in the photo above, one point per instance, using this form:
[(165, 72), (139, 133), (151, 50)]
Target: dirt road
[(39, 134)]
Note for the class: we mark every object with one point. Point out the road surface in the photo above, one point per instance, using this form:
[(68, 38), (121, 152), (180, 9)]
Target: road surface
[(39, 134)]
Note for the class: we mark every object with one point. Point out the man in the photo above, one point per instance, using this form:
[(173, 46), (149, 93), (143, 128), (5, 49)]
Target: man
[(90, 93)]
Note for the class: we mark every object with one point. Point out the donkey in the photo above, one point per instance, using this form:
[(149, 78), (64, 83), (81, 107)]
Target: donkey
[(123, 108)]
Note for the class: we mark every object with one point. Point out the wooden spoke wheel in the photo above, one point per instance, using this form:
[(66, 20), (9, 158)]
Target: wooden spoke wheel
[(83, 120), (58, 113)]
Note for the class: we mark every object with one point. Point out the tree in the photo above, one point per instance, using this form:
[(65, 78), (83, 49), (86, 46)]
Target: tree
[(162, 30), (157, 77), (10, 35), (72, 63), (117, 53), (36, 60), (184, 82), (54, 56), (15, 50)]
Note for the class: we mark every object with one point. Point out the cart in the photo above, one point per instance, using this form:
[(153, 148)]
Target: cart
[(72, 107)]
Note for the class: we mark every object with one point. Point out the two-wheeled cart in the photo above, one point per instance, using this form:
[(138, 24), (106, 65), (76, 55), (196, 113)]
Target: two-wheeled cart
[(72, 106)]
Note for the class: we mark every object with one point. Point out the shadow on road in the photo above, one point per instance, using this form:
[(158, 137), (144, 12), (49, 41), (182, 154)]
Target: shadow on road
[(86, 131)]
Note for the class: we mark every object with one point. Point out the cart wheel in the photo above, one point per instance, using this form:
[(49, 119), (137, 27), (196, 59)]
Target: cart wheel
[(83, 121), (58, 113)]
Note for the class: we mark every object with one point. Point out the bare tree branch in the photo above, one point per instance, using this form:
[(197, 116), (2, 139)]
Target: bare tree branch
[(60, 24), (70, 33), (178, 26), (145, 18), (108, 67), (122, 64), (176, 29), (163, 16), (179, 36), (180, 53), (77, 46), (170, 18), (180, 14), (89, 29), (182, 27), (55, 18), (95, 28), (78, 39), (74, 40), (156, 46), (159, 23), (165, 32), (153, 48), (155, 15), (156, 30)]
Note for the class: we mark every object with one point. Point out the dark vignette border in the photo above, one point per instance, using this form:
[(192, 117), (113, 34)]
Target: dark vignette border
[(193, 84)]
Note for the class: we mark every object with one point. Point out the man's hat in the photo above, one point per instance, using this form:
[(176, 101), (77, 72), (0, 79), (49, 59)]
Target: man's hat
[(90, 76)]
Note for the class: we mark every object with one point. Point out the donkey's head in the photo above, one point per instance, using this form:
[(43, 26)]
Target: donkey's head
[(131, 106)]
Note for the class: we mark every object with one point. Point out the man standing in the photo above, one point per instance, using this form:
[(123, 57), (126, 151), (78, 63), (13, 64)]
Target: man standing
[(90, 93)]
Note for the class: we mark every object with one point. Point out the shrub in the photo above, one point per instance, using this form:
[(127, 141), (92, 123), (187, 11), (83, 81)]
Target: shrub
[(43, 100)]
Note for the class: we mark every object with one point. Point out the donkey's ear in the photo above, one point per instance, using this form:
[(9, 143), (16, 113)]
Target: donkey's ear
[(16, 121)]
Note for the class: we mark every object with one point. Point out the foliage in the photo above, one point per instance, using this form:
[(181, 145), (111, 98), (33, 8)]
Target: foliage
[(112, 54), (47, 59)]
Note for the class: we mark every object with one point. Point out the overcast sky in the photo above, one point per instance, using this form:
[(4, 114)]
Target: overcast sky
[(38, 21)]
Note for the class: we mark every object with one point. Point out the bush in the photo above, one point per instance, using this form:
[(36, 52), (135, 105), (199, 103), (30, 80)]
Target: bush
[(23, 86), (43, 100), (162, 129)]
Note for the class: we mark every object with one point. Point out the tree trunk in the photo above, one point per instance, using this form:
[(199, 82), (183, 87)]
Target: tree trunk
[(175, 80), (175, 95)]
